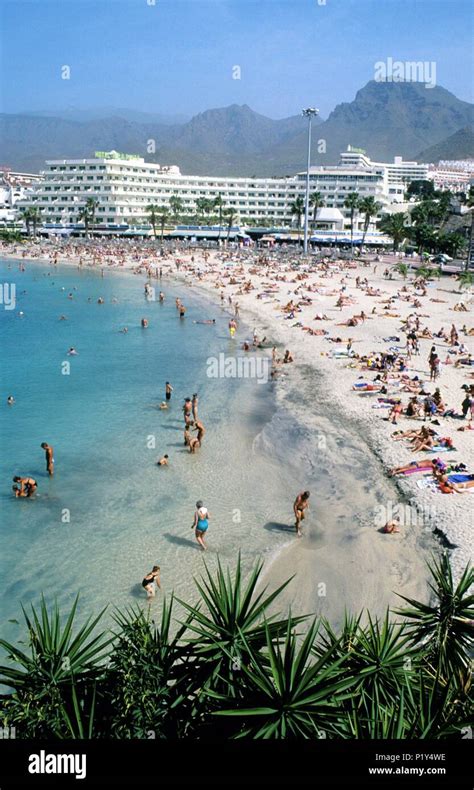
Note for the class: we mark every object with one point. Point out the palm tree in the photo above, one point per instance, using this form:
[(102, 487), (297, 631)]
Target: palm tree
[(424, 235), (163, 217), (84, 216), (176, 206), (297, 210), (152, 211), (352, 203), (402, 269), (444, 206), (201, 207), (424, 272), (230, 215), (394, 226), (451, 243), (465, 279), (428, 212), (370, 208), (316, 201), (468, 200), (91, 206), (32, 216), (218, 203)]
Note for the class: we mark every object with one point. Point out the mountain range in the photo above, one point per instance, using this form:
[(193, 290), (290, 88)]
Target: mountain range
[(386, 119)]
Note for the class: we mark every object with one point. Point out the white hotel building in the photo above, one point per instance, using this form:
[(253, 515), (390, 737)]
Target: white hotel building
[(125, 185)]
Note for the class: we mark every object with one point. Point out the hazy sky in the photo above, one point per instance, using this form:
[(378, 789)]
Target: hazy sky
[(177, 56)]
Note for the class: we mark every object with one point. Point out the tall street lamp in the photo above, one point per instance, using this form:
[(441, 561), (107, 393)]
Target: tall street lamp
[(309, 113)]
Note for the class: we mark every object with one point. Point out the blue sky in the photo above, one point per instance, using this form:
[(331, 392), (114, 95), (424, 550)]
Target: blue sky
[(177, 56)]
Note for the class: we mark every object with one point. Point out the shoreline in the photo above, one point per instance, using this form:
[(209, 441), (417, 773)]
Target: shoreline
[(445, 516)]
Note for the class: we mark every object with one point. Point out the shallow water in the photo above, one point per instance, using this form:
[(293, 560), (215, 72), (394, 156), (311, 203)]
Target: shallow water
[(126, 514), (264, 443)]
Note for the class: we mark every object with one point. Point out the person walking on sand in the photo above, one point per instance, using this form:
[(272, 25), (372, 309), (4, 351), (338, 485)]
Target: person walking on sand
[(300, 505), (150, 580), (201, 523), (49, 456)]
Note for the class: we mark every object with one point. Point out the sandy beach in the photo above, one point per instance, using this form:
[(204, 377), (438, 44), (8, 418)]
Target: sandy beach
[(286, 305)]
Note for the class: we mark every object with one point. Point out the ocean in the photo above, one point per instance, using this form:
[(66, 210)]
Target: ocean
[(110, 513)]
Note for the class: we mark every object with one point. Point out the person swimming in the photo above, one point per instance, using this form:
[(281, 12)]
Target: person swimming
[(163, 461)]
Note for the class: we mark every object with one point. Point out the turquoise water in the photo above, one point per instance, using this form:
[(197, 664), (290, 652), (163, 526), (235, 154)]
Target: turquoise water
[(126, 514)]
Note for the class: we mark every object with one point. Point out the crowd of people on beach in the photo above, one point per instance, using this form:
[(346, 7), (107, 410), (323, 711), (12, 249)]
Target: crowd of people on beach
[(396, 375)]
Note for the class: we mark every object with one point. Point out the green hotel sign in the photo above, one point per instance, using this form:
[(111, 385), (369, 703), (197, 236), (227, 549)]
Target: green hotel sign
[(115, 155), (354, 150)]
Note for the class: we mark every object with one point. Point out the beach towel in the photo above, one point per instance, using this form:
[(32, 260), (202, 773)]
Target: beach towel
[(439, 448), (427, 483), (415, 469), (460, 478)]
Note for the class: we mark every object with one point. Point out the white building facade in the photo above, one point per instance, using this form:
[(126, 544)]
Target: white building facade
[(14, 188), (124, 185)]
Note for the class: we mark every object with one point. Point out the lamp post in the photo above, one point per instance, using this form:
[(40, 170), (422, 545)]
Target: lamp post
[(309, 113)]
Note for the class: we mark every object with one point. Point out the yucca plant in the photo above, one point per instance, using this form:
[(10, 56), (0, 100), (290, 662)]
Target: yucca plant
[(444, 628), (286, 693), (235, 621), (379, 655), (417, 712), (43, 680), (80, 722)]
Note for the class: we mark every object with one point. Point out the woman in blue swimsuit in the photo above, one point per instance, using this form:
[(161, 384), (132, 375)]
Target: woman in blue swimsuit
[(201, 523)]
